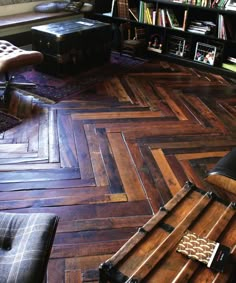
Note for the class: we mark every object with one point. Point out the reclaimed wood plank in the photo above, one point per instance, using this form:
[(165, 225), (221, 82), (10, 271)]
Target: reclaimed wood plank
[(115, 88), (218, 228), (82, 150), (68, 157), (99, 170), (127, 170), (110, 165), (54, 156), (171, 240), (146, 178), (166, 170)]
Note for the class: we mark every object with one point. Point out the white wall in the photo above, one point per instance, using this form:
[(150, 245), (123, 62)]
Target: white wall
[(13, 9), (6, 10)]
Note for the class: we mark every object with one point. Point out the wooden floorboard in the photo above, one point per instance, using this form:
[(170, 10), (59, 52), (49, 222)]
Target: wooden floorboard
[(105, 161)]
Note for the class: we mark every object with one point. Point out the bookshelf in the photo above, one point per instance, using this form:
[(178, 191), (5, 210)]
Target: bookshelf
[(189, 26)]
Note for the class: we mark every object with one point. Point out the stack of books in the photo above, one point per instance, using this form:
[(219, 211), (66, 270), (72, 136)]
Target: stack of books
[(202, 27)]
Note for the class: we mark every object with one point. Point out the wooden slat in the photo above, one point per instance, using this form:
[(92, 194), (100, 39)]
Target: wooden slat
[(171, 240), (73, 276), (68, 157), (115, 88), (191, 266), (169, 100), (167, 173), (43, 134), (115, 183), (53, 137), (82, 150), (148, 227), (95, 156), (127, 171), (145, 177)]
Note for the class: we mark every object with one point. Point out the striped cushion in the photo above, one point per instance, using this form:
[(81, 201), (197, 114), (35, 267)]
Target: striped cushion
[(25, 245)]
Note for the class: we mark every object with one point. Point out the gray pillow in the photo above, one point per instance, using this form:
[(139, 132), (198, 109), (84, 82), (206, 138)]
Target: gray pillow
[(51, 7)]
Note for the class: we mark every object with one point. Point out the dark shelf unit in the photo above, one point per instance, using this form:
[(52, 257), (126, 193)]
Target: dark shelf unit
[(222, 47)]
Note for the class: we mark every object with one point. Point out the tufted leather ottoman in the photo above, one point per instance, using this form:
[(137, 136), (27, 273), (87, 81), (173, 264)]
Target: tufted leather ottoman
[(13, 58), (25, 245)]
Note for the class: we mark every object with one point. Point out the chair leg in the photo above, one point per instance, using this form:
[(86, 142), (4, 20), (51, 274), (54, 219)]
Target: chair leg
[(9, 81), (6, 96)]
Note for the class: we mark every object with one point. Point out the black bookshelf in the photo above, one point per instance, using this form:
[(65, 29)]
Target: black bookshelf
[(205, 34)]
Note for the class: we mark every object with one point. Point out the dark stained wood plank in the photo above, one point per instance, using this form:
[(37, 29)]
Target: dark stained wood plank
[(103, 223), (127, 170), (99, 170), (145, 177), (56, 270), (73, 276), (81, 145), (88, 249), (68, 157), (43, 134), (167, 172), (115, 183), (40, 175), (53, 193), (106, 159), (89, 211), (55, 184), (53, 137), (154, 172)]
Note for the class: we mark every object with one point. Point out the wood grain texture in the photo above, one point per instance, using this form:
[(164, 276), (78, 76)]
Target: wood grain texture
[(106, 160)]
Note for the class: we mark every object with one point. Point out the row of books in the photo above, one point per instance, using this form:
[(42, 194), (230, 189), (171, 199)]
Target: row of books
[(219, 3), (164, 17), (225, 28), (227, 4), (148, 13)]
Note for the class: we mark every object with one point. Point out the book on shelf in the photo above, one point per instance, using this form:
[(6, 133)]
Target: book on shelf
[(172, 19), (232, 59), (134, 13), (221, 27), (201, 27), (230, 30), (154, 17), (163, 18), (185, 19)]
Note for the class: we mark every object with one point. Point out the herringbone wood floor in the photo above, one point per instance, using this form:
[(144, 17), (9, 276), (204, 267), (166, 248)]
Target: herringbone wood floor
[(105, 161)]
